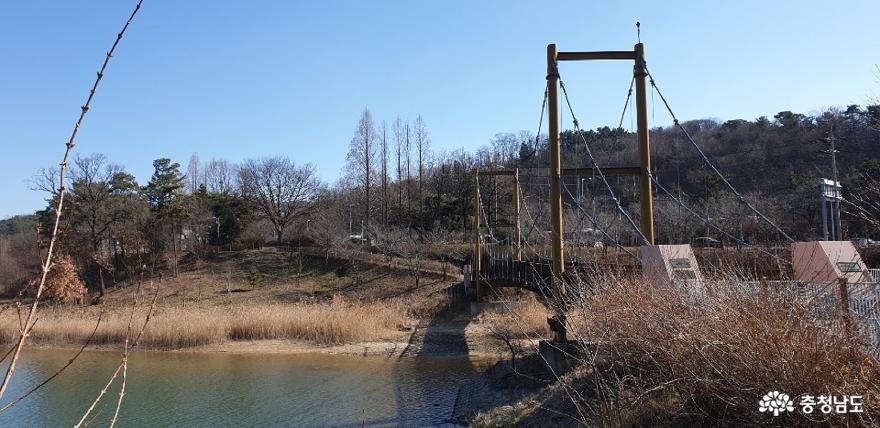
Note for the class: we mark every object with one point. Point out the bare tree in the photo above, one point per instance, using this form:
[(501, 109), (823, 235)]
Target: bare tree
[(326, 226), (409, 246), (91, 194), (281, 190), (192, 174), (422, 142), (361, 160), (46, 180), (92, 197), (219, 176), (407, 153), (383, 152), (398, 146)]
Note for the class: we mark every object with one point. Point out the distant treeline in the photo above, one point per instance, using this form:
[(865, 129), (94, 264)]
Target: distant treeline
[(396, 188)]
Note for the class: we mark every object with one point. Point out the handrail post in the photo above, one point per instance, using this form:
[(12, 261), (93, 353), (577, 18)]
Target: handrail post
[(843, 293)]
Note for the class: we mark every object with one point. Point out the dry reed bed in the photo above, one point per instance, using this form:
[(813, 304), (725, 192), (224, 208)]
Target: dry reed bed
[(336, 322), (707, 356)]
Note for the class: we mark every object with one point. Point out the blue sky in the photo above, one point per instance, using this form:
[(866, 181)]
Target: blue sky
[(234, 80)]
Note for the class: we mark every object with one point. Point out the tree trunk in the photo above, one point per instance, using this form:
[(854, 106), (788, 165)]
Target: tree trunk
[(101, 277), (279, 233)]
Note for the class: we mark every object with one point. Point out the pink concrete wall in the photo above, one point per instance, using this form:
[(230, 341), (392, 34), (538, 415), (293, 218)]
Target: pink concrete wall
[(821, 261)]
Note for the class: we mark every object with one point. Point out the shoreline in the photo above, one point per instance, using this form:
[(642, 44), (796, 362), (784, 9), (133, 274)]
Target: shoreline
[(385, 349)]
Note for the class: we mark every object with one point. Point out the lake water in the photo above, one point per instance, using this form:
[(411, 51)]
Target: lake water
[(218, 389)]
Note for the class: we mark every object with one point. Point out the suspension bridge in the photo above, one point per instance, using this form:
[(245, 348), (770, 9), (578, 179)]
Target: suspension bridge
[(547, 264)]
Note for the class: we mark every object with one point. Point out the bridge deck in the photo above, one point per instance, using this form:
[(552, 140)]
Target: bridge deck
[(535, 274)]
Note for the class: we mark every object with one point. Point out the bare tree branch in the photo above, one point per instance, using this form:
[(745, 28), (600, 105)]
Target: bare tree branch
[(71, 143)]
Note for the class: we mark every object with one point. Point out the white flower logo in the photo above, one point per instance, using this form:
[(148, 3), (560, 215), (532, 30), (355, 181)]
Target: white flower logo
[(776, 402)]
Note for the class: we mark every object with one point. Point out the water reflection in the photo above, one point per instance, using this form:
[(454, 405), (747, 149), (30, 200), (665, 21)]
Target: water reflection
[(425, 395), (215, 389)]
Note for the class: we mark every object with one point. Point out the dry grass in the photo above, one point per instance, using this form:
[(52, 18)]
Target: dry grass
[(697, 357), (212, 302), (335, 322), (525, 319), (708, 355)]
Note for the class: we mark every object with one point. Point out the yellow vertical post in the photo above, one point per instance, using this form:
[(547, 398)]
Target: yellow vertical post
[(516, 214), (477, 250), (646, 195), (555, 168)]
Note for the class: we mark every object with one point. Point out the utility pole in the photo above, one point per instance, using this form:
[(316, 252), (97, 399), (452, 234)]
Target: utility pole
[(836, 202), (833, 155), (831, 194)]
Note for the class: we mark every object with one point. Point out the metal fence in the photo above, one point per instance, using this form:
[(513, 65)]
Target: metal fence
[(825, 299), (862, 302)]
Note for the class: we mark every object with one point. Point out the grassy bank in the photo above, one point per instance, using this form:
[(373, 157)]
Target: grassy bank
[(247, 296)]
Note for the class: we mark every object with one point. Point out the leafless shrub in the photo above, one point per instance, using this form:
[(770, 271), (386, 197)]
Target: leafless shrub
[(517, 324)]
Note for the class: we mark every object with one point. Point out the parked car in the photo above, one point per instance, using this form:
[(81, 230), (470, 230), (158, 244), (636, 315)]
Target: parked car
[(707, 242), (865, 242)]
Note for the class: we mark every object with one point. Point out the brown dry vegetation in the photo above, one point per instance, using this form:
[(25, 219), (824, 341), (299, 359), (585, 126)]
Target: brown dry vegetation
[(659, 356), (271, 275), (175, 327), (62, 284), (252, 295), (523, 319)]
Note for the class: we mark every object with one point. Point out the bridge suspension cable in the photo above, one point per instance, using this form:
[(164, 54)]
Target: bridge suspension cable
[(541, 119), (601, 229), (708, 221), (595, 165), (711, 166), (626, 103)]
